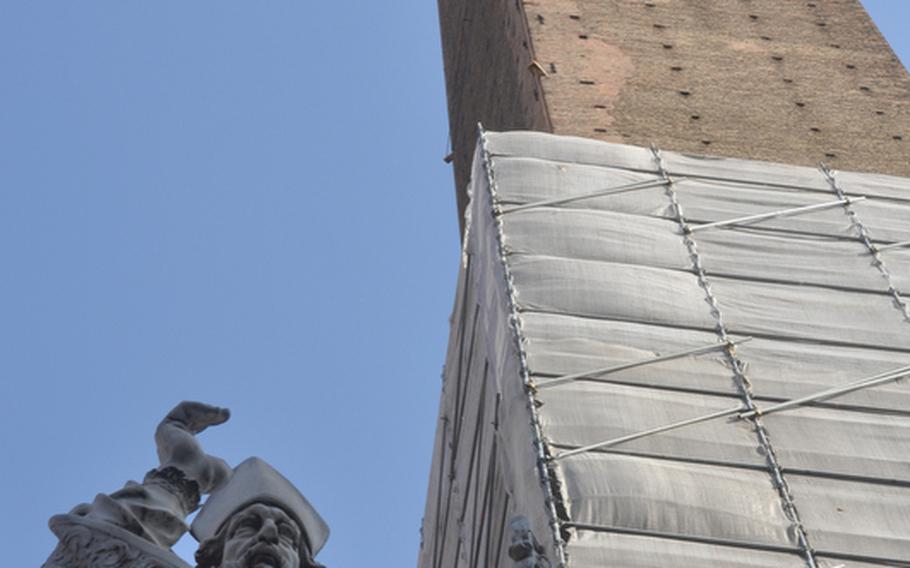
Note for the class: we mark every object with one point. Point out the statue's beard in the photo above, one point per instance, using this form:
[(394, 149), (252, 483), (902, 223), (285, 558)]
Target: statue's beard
[(261, 555)]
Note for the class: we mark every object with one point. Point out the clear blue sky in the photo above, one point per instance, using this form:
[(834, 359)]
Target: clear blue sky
[(237, 202)]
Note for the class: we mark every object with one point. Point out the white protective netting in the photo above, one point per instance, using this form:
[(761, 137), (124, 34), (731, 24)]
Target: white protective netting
[(610, 280)]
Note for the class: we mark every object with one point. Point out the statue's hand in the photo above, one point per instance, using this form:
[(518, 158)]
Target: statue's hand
[(178, 447)]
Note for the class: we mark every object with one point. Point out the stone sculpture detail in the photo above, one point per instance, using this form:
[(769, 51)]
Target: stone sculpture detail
[(525, 549), (254, 517)]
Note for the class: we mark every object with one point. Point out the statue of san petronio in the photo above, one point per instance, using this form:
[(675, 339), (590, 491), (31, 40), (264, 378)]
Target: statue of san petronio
[(253, 516)]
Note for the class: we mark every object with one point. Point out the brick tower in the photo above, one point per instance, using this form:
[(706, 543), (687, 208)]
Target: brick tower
[(793, 82), (681, 333)]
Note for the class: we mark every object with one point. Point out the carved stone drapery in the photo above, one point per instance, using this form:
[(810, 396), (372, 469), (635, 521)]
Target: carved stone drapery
[(85, 543)]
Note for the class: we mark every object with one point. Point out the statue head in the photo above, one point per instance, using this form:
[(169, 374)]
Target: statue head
[(524, 548), (258, 520)]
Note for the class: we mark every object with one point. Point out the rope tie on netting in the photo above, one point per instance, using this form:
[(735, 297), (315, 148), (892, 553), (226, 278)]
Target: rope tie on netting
[(736, 364), (900, 244), (515, 323), (595, 374), (599, 193), (775, 214), (863, 232), (744, 413)]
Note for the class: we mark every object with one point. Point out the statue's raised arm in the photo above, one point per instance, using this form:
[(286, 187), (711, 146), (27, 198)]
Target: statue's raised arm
[(104, 533), (178, 447)]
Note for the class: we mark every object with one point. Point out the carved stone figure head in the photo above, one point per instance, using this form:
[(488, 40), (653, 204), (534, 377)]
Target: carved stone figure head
[(524, 548), (261, 536), (258, 520)]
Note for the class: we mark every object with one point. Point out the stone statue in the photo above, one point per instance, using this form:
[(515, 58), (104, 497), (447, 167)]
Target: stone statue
[(524, 548), (253, 517)]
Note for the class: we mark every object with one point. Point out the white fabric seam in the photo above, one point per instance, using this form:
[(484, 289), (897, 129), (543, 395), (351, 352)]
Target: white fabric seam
[(515, 321), (861, 229), (737, 366)]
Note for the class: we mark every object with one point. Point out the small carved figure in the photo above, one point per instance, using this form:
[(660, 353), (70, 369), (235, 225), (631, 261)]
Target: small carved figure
[(254, 517), (525, 550)]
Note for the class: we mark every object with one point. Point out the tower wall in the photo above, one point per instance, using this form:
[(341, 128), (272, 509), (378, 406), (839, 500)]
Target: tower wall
[(792, 82)]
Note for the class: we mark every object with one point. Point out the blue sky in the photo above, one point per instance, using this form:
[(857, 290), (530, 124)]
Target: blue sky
[(237, 202)]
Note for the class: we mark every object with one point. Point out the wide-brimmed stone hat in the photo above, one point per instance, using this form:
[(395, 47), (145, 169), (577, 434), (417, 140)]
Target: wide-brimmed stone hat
[(255, 481)]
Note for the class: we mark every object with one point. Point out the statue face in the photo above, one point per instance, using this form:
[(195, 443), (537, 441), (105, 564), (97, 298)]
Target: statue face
[(261, 536)]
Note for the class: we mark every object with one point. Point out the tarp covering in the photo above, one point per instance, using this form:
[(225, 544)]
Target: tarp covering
[(572, 287)]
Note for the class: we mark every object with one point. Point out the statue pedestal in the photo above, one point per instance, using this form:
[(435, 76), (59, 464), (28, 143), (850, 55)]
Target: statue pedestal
[(90, 544)]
